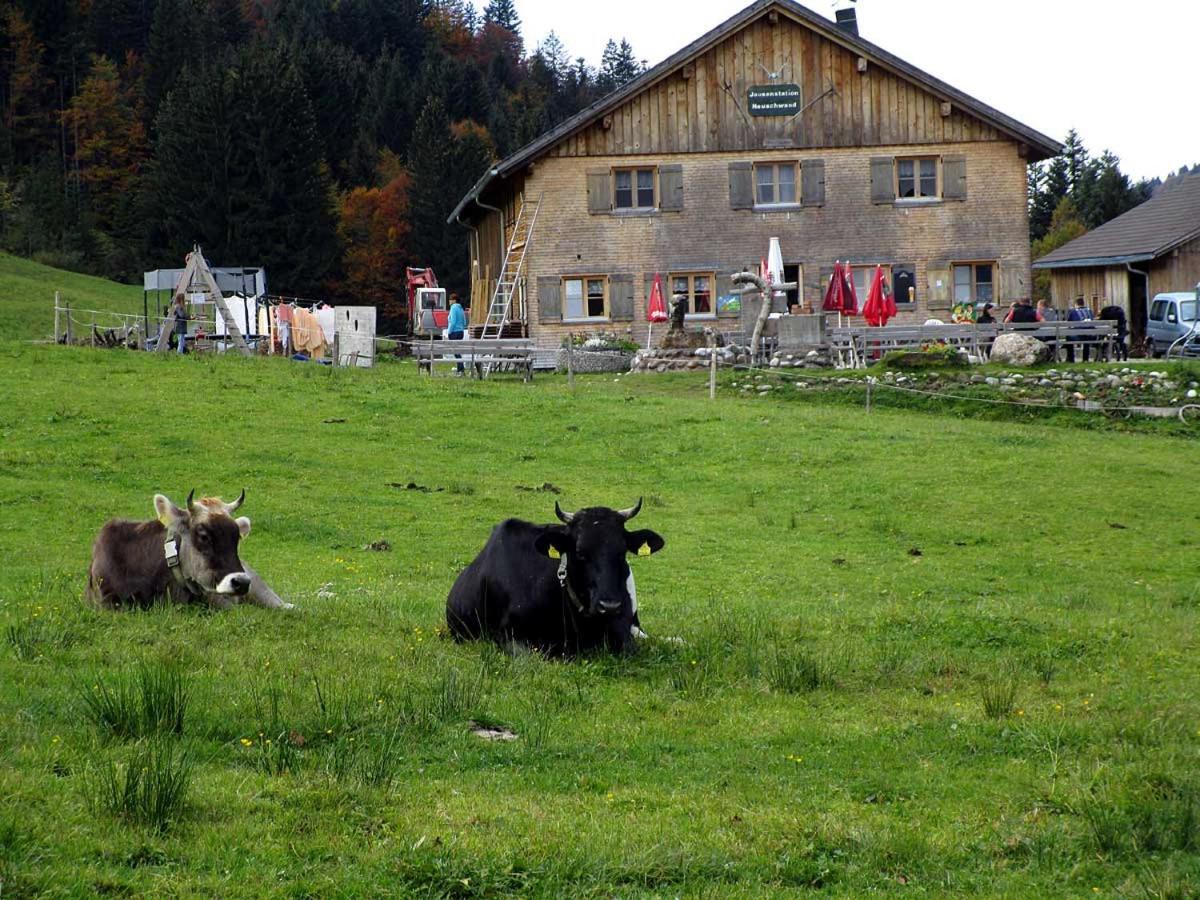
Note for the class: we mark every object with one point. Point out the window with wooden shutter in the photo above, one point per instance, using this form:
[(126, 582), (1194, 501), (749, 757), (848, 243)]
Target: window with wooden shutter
[(741, 185), (549, 300), (585, 297), (954, 177), (670, 191), (634, 188), (917, 178), (812, 182), (883, 186), (599, 187), (620, 297), (698, 288), (975, 282), (775, 184)]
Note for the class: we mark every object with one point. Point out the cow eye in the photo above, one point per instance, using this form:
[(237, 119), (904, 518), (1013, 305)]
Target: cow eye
[(201, 538)]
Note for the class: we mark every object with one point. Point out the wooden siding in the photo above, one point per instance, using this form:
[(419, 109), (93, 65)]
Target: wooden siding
[(1178, 270), (702, 107)]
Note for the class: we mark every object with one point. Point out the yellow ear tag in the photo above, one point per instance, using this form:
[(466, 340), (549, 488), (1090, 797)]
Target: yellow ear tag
[(644, 550), (552, 552)]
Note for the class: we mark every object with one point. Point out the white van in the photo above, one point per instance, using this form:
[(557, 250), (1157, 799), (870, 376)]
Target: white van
[(1171, 317)]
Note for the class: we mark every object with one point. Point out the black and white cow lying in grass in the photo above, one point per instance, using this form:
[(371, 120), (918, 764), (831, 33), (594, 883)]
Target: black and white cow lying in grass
[(184, 555), (559, 589)]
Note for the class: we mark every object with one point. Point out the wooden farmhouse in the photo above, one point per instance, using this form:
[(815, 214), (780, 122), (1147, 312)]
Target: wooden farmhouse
[(1152, 249), (778, 123)]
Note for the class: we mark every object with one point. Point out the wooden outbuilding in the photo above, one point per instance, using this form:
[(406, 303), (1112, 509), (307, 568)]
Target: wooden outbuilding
[(778, 123), (1152, 249)]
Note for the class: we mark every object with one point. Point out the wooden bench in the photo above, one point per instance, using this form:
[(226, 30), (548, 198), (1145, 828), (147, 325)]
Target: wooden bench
[(481, 355), (866, 343)]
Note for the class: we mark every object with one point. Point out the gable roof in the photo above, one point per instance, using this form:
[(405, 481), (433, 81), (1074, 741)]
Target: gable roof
[(1159, 225), (1042, 146)]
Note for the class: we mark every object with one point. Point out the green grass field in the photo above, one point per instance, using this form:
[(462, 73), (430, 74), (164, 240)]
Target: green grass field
[(27, 299), (923, 653)]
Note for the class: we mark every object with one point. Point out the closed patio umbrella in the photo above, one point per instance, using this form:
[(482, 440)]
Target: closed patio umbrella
[(880, 305), (656, 307)]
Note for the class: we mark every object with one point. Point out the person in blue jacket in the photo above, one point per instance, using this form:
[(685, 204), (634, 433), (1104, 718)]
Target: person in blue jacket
[(456, 325)]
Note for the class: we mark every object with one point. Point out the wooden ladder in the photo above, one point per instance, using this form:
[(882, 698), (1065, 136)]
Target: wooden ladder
[(197, 270), (512, 270)]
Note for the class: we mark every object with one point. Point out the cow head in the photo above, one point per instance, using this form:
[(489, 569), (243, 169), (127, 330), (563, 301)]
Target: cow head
[(206, 536), (590, 547)]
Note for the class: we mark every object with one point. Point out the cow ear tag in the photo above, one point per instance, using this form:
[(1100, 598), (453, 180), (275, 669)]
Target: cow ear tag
[(552, 552), (644, 550)]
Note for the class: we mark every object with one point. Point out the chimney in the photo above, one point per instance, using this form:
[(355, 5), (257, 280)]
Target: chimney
[(847, 20)]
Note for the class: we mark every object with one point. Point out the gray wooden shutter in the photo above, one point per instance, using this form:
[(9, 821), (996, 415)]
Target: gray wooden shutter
[(741, 185), (724, 289), (954, 178), (670, 188), (549, 300), (883, 183), (620, 298), (599, 187), (812, 182), (1013, 283), (940, 279)]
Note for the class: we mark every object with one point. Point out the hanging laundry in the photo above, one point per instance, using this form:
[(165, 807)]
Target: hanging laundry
[(307, 334)]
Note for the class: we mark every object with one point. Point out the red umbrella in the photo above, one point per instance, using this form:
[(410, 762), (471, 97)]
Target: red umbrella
[(833, 293), (656, 308), (849, 295), (879, 306)]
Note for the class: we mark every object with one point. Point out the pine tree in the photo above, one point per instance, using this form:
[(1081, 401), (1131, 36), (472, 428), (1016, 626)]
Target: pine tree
[(430, 200), (1049, 186), (1076, 156), (238, 169), (504, 14)]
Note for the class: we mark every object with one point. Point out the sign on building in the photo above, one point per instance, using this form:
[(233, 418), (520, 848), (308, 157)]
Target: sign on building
[(774, 99)]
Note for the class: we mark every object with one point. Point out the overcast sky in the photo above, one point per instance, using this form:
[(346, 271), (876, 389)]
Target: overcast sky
[(1123, 74)]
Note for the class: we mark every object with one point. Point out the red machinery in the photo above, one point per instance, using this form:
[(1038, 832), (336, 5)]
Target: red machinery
[(426, 303)]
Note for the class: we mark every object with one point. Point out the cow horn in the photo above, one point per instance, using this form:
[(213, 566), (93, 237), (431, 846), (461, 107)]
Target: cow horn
[(566, 517), (190, 506), (628, 514), (233, 507)]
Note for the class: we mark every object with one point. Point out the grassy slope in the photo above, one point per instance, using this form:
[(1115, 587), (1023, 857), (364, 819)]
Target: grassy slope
[(27, 298), (791, 536)]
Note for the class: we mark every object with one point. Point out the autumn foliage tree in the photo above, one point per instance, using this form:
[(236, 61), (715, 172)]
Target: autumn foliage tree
[(109, 139), (373, 230)]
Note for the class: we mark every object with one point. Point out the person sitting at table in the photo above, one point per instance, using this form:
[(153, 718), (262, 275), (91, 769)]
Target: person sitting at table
[(1080, 313)]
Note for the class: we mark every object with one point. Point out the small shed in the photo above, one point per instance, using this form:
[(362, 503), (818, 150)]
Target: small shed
[(1152, 249)]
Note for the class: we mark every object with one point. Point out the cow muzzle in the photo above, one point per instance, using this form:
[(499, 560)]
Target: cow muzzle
[(236, 583), (608, 607)]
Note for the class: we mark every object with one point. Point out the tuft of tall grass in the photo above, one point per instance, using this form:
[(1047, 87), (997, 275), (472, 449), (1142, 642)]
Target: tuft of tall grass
[(29, 639), (793, 670), (150, 699), (149, 789), (278, 755), (999, 695)]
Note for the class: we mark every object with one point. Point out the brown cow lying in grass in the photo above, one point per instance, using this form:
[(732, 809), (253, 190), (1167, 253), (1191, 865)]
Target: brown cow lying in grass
[(184, 555)]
